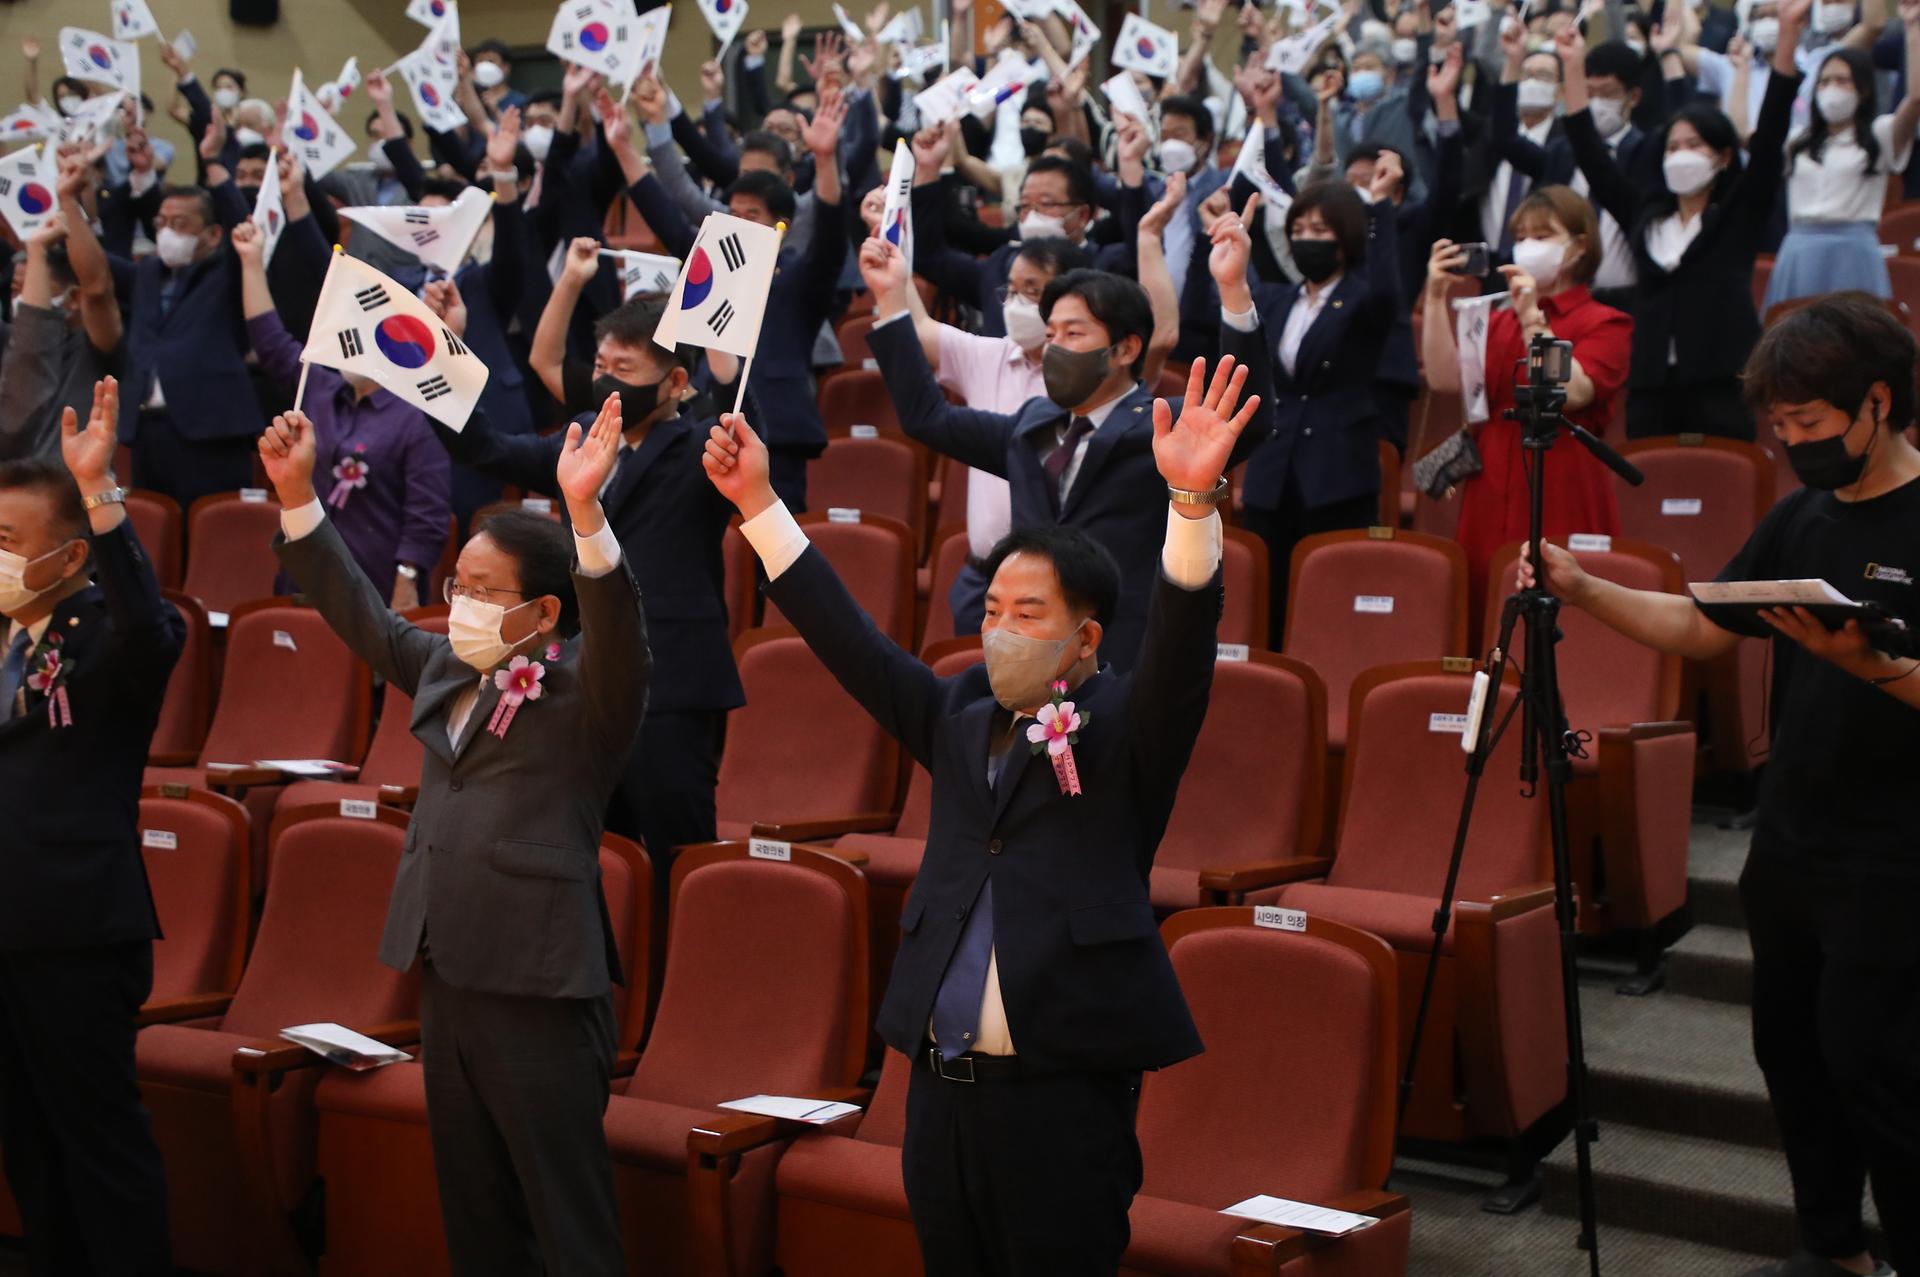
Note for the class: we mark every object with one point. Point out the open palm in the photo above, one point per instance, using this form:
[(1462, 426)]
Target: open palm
[(88, 451), (1192, 452), (586, 462)]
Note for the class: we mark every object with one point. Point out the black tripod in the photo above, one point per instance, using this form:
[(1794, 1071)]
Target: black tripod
[(1539, 398)]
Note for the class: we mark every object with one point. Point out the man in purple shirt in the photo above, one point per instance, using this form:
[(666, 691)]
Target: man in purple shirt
[(385, 478)]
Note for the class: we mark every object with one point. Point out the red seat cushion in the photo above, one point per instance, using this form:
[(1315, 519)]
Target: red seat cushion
[(1180, 1240), (842, 1171), (396, 1093), (891, 861), (177, 1055)]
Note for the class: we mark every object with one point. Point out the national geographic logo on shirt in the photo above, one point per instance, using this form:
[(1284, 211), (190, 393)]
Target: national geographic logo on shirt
[(1895, 576)]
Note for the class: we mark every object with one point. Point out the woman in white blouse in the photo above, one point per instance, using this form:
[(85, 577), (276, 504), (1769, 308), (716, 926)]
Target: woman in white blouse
[(1837, 171)]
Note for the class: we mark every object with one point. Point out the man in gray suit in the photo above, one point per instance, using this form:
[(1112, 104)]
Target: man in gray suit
[(528, 711)]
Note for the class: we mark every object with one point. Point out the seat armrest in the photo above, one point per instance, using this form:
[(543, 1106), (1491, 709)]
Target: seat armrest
[(172, 757), (625, 1063), (829, 827), (1628, 732), (193, 1007), (1236, 880), (277, 1055), (735, 1132), (858, 859), (1506, 904), (1265, 1248), (400, 795), (233, 780)]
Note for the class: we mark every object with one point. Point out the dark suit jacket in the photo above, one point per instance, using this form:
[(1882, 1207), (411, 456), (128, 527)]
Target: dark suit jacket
[(1322, 413), (198, 349), (1117, 494), (669, 520), (501, 872), (1083, 975), (492, 292), (71, 873)]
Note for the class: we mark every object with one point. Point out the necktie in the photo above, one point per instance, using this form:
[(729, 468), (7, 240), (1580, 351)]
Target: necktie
[(1056, 463), (1516, 192), (956, 1006), (13, 671)]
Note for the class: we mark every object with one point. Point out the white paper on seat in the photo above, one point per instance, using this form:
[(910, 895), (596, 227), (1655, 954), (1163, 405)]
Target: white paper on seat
[(1288, 1214), (312, 768), (793, 1108), (337, 1044)]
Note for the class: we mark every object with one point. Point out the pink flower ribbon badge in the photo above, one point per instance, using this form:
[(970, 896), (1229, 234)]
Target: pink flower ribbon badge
[(49, 678), (1056, 730), (519, 682), (349, 473)]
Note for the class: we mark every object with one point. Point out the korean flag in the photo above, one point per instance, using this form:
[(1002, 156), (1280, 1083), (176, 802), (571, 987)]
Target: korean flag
[(27, 188), (312, 133), (598, 35), (132, 19), (1085, 34), (97, 59), (428, 13), (29, 123), (93, 121), (1145, 47), (369, 325), (896, 217), (643, 274), (439, 237), (725, 17), (721, 296), (268, 212)]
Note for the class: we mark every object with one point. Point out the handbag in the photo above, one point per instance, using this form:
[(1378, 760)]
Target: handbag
[(1449, 465)]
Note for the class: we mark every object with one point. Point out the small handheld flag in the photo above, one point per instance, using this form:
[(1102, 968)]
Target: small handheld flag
[(97, 59), (432, 73), (1142, 46), (132, 19), (28, 123), (946, 98), (27, 184), (93, 121), (428, 13), (439, 236), (312, 133), (725, 17), (269, 214), (643, 274), (720, 298), (1252, 164), (896, 218)]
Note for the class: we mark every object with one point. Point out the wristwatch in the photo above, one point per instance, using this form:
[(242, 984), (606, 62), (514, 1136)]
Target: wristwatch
[(115, 495), (407, 570), (1181, 496)]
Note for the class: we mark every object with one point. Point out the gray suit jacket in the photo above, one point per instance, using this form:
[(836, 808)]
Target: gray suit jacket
[(501, 873)]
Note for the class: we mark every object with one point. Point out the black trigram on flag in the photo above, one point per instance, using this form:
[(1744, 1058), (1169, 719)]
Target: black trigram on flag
[(566, 40), (423, 238), (619, 35), (730, 249), (372, 297), (722, 316), (582, 12), (313, 153), (416, 217), (6, 185), (350, 343), (453, 343), (433, 388)]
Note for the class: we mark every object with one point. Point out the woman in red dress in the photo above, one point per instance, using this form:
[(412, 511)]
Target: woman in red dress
[(1556, 249)]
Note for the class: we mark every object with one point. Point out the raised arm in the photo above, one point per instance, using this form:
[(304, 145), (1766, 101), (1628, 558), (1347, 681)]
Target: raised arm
[(99, 310), (273, 345), (1439, 352), (1608, 187), (1664, 622), (1150, 259), (548, 354), (1243, 340), (1907, 115)]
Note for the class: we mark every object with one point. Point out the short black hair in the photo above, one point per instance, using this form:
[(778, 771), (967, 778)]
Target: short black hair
[(496, 47), (1079, 177), (238, 77), (51, 480), (1372, 151), (446, 188), (1054, 253), (633, 323), (1089, 577), (1616, 60), (1344, 212), (1119, 303), (257, 151), (203, 202), (769, 188), (1193, 108), (769, 143), (79, 87), (1833, 351), (1078, 152), (542, 550)]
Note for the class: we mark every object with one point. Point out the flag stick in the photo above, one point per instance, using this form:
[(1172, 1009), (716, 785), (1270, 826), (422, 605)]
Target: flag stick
[(746, 366), (300, 391)]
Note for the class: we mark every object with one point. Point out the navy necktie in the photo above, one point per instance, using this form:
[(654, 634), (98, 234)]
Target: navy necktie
[(13, 670)]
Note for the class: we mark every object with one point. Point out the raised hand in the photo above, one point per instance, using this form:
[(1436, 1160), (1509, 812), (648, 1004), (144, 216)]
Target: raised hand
[(1513, 41), (248, 243), (828, 63), (1192, 452), (648, 94), (756, 43), (736, 463), (929, 155), (443, 298), (1155, 222), (1794, 15), (1133, 139), (578, 81), (713, 81), (790, 27), (821, 134), (583, 260), (30, 49), (505, 142), (1232, 246), (1386, 175), (287, 452), (89, 452), (876, 19), (884, 268), (214, 140), (586, 462), (1443, 78), (861, 60), (170, 59), (1571, 47), (379, 92), (1665, 35)]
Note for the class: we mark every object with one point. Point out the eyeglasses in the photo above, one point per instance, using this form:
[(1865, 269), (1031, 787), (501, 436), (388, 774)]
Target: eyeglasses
[(1006, 291), (451, 590)]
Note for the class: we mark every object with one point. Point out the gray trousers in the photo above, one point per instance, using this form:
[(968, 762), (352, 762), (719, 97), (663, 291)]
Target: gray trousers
[(516, 1092)]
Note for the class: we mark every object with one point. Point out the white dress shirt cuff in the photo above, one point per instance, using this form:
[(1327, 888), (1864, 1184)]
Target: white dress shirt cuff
[(599, 554), (1192, 550), (1244, 321), (301, 522), (896, 315), (776, 538)]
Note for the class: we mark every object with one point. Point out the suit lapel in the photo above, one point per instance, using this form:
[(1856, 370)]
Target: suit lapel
[(1011, 772), (634, 463), (72, 618), (1127, 415), (482, 711), (1331, 319), (434, 703)]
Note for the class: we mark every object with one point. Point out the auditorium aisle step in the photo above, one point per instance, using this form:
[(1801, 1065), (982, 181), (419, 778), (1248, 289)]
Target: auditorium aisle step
[(1688, 1147)]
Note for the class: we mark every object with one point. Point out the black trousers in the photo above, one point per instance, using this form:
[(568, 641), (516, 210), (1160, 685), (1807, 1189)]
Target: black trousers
[(1024, 1178), (1836, 1030), (79, 1147), (1709, 408), (1292, 523), (516, 1092), (666, 797), (187, 469)]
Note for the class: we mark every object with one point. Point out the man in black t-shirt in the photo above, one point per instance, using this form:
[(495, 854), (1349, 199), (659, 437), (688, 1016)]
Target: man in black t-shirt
[(1832, 884)]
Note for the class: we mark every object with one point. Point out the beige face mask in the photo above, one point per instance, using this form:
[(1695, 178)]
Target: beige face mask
[(1021, 669)]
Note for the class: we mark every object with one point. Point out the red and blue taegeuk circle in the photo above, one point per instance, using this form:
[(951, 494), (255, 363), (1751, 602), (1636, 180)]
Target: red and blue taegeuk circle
[(699, 280), (1146, 47), (308, 128), (35, 199), (722, 6), (429, 94), (23, 125), (896, 225), (404, 340), (99, 55), (439, 8), (593, 36)]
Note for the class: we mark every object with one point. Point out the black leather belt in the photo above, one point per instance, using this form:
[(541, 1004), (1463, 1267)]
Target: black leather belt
[(971, 1067)]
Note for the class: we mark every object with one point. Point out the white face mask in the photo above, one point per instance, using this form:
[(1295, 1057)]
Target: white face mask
[(176, 248), (1406, 51), (1608, 115), (1542, 259), (1177, 156), (1837, 103), (1537, 95), (1688, 172), (538, 138), (1639, 48), (1764, 34), (226, 99), (488, 74), (1832, 19), (15, 593), (1024, 325), (1042, 226), (70, 104), (474, 630), (249, 137)]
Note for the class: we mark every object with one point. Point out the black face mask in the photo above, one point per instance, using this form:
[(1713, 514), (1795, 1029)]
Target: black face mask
[(1825, 464), (1033, 141), (1071, 376), (251, 194), (1317, 259), (637, 403)]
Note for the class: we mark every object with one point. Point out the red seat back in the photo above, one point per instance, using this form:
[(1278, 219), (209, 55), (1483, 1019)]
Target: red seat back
[(1294, 1092), (883, 475), (950, 550), (291, 690), (886, 1117), (739, 582), (916, 815), (1404, 782), (800, 748), (1243, 564), (1372, 597), (626, 881), (314, 957), (197, 854), (182, 726), (1702, 498), (1900, 227), (230, 550), (857, 398), (157, 522), (394, 756), (874, 557), (1904, 274), (852, 336)]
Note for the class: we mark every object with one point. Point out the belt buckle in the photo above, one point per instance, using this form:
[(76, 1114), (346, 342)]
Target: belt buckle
[(940, 1066)]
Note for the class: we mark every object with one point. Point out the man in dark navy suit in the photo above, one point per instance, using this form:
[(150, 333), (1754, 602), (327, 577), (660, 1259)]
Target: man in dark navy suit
[(83, 673), (1083, 454), (1053, 780)]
